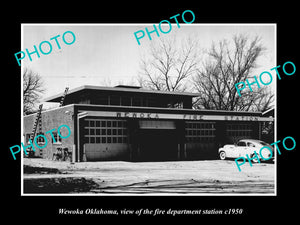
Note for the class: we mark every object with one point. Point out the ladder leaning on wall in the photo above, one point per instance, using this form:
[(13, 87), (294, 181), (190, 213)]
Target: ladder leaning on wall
[(63, 97), (36, 123)]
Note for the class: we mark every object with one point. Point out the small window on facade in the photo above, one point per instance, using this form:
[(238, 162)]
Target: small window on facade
[(97, 123), (120, 124), (136, 101), (86, 132), (126, 101), (92, 139), (115, 100), (98, 139), (120, 140), (92, 123), (56, 137)]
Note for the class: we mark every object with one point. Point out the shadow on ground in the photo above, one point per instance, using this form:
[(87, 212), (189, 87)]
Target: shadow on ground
[(40, 170), (58, 185)]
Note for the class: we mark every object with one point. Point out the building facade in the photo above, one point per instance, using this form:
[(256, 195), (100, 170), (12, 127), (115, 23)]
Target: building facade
[(129, 123)]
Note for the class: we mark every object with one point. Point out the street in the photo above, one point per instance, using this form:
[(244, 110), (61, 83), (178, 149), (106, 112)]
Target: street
[(171, 177)]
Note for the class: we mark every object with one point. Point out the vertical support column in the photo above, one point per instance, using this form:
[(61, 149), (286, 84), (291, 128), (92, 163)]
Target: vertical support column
[(130, 152), (78, 127), (259, 130), (180, 129), (78, 139), (84, 159), (138, 152), (73, 154)]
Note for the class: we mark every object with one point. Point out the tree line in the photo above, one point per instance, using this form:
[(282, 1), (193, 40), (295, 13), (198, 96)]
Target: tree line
[(181, 65)]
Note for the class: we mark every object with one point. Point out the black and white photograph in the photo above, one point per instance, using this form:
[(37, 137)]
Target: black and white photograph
[(108, 115), (149, 111)]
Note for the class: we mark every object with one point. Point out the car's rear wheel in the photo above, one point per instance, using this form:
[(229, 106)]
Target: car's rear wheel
[(222, 155), (254, 159)]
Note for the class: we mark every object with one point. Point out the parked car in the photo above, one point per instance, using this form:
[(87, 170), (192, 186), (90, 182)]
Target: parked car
[(244, 147)]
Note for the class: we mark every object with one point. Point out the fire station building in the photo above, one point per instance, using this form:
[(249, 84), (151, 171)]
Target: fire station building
[(130, 123)]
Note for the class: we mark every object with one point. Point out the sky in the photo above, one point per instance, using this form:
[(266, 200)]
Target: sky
[(108, 54)]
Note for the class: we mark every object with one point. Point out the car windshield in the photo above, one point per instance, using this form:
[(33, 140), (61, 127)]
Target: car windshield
[(265, 144), (249, 144)]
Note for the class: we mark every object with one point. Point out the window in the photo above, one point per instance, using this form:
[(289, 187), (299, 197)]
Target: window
[(92, 123), (249, 144), (238, 131), (136, 101), (98, 139), (241, 143), (56, 137), (97, 123), (115, 100), (199, 132), (92, 139), (178, 105), (126, 100), (105, 131)]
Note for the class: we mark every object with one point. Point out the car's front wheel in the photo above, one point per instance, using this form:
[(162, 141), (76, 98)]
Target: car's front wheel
[(222, 155)]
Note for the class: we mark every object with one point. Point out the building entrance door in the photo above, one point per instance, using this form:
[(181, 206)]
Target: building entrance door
[(158, 141)]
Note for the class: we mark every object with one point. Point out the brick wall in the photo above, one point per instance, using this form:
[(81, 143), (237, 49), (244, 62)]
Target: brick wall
[(51, 119)]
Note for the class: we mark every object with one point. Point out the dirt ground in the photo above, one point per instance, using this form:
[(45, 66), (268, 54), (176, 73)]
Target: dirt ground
[(172, 177)]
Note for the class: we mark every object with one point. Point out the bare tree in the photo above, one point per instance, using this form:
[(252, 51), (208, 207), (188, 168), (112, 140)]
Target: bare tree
[(32, 88), (228, 64), (168, 65)]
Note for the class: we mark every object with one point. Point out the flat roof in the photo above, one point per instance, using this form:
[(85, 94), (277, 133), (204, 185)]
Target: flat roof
[(57, 97), (85, 107)]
